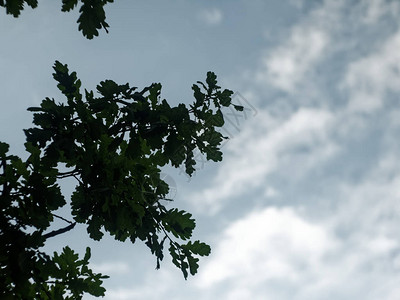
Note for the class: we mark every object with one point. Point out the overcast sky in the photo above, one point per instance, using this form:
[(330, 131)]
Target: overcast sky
[(305, 204)]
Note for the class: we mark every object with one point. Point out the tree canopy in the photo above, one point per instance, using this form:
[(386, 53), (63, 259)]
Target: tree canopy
[(114, 143)]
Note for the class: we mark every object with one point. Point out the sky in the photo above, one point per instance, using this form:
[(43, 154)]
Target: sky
[(305, 204)]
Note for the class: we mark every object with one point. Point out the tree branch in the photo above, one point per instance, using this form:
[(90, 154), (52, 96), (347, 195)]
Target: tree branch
[(61, 175), (122, 102), (57, 216), (59, 231)]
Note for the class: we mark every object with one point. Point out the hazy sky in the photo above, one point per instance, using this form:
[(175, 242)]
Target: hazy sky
[(305, 204)]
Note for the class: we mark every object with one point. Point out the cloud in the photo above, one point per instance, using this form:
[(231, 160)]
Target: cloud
[(211, 16), (376, 9), (116, 267), (150, 285), (281, 253), (269, 144), (342, 244), (369, 79), (265, 245), (286, 66), (290, 66)]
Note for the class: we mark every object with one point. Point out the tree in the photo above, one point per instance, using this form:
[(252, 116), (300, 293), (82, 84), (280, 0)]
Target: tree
[(114, 144)]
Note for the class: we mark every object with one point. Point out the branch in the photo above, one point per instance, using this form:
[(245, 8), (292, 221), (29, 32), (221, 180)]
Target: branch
[(59, 231), (57, 216), (61, 175), (122, 102), (80, 181)]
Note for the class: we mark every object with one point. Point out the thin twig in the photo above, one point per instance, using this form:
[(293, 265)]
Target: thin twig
[(61, 175), (80, 181), (57, 216)]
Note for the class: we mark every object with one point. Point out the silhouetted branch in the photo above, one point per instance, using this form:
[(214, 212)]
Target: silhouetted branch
[(57, 216), (59, 231), (61, 175)]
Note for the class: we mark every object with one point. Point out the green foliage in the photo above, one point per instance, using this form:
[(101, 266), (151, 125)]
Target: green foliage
[(92, 15), (14, 7), (114, 143), (29, 194)]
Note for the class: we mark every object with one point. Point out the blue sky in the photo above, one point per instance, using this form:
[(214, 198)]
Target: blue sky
[(305, 204)]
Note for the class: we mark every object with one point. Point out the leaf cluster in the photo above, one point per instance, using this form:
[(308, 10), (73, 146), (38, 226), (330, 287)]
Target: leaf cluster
[(29, 194), (92, 16), (114, 143)]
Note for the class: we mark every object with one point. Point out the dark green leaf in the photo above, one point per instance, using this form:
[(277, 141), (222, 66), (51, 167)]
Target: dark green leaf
[(3, 149), (179, 223), (238, 107), (68, 5), (211, 80)]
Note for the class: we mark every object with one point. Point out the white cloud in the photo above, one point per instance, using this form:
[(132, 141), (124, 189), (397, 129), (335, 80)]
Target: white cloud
[(376, 9), (286, 66), (370, 78), (266, 245), (349, 248), (269, 144), (290, 66), (270, 192), (162, 283), (211, 16), (116, 267), (280, 253)]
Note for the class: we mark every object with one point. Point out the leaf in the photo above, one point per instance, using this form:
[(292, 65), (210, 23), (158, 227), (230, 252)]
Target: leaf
[(190, 165), (38, 137), (69, 84), (182, 256), (179, 223), (68, 5), (225, 97), (198, 248), (94, 228), (134, 149), (155, 91), (238, 107), (72, 275), (213, 154), (108, 88), (178, 114), (3, 149), (198, 95), (34, 158), (212, 137), (92, 18), (218, 119), (139, 211), (13, 7), (193, 264), (211, 80), (34, 109), (174, 149), (87, 255)]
